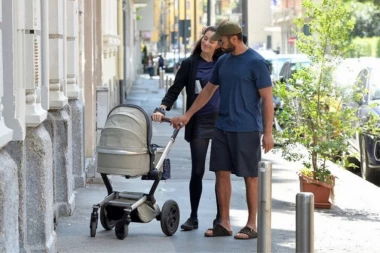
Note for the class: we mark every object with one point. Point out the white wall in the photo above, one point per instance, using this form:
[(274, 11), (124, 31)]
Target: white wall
[(147, 15), (259, 17)]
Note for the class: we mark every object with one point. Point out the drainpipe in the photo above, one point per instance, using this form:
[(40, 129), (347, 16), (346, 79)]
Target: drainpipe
[(45, 54), (195, 21), (124, 86), (209, 12), (244, 5)]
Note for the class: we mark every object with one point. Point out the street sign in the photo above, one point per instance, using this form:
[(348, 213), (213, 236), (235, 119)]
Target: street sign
[(174, 38), (184, 30)]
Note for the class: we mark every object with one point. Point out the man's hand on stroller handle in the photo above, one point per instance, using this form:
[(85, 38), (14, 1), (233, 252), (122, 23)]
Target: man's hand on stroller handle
[(176, 122), (179, 122)]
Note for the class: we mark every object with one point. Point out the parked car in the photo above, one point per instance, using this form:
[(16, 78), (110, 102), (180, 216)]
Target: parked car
[(367, 144), (266, 54), (278, 61), (291, 66), (170, 65), (347, 71)]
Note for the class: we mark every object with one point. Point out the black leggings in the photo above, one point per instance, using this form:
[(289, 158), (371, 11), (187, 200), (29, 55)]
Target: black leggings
[(198, 149)]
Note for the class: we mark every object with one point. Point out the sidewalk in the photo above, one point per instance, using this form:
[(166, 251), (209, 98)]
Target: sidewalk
[(352, 225)]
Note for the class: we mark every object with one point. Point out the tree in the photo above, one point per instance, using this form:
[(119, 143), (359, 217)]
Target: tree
[(367, 16), (375, 2), (314, 111)]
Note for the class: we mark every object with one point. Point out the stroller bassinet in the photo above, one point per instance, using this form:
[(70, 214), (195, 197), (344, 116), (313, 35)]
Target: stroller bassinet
[(125, 149)]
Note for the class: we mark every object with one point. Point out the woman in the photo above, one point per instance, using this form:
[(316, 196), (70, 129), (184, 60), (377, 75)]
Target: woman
[(194, 73)]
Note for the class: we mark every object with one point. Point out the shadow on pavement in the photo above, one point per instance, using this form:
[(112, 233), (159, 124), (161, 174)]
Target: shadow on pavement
[(351, 214)]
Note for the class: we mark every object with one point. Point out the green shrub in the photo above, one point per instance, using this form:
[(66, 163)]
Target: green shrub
[(365, 47)]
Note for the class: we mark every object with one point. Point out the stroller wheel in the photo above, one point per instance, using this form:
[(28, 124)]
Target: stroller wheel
[(169, 217), (93, 226), (121, 230), (106, 223)]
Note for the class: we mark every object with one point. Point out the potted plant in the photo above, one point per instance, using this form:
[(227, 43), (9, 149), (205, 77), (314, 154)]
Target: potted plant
[(314, 113)]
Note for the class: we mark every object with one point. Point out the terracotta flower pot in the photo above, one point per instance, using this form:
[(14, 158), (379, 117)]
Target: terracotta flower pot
[(320, 190)]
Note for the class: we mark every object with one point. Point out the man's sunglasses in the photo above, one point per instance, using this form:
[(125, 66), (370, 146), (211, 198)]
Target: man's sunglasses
[(221, 42)]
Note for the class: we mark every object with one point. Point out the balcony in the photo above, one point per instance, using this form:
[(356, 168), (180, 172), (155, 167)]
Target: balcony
[(283, 15), (140, 3)]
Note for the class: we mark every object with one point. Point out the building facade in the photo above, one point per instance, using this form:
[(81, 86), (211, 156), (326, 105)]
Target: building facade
[(258, 19), (283, 15), (64, 65), (177, 24)]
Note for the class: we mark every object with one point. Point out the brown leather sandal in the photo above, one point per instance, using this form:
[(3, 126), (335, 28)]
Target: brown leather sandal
[(218, 230), (246, 231)]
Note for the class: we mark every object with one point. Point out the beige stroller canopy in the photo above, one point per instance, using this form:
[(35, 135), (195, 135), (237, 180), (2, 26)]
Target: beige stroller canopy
[(127, 129), (124, 144)]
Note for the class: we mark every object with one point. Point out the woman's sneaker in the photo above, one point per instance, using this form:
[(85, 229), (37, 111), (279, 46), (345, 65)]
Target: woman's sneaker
[(190, 224)]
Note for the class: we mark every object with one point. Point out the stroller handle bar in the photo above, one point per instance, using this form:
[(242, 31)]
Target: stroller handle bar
[(164, 119), (169, 120), (171, 142)]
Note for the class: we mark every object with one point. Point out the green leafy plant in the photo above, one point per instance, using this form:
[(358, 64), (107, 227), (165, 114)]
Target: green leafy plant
[(315, 111)]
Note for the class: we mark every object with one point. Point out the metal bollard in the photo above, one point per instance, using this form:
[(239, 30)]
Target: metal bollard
[(163, 76), (169, 85), (160, 80), (166, 83), (305, 222), (264, 208)]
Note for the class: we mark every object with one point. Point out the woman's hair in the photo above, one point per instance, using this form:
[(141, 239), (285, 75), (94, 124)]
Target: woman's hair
[(198, 49)]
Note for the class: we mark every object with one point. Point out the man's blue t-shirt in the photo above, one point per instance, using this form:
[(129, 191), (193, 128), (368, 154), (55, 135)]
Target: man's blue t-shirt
[(239, 78)]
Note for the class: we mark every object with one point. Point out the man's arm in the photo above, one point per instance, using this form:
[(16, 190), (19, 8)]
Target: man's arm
[(199, 102), (203, 97), (267, 97)]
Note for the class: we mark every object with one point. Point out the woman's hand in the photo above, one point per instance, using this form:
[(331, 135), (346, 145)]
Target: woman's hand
[(159, 113), (157, 116)]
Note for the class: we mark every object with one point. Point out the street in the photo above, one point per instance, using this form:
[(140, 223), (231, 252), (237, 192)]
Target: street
[(352, 225)]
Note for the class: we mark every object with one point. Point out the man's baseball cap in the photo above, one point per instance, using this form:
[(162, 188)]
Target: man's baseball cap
[(226, 28)]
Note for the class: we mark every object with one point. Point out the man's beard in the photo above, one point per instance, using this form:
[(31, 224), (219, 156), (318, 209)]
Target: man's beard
[(230, 48)]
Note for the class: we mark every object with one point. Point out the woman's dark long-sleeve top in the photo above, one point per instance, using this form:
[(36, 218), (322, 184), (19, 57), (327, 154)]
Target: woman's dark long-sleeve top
[(185, 77)]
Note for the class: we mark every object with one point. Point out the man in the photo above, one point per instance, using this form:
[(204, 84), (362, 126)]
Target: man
[(161, 63), (243, 78)]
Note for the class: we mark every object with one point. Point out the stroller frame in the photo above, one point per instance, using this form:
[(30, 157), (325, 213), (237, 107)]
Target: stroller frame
[(123, 206)]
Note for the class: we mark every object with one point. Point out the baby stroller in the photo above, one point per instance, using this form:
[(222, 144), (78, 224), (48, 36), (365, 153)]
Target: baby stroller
[(124, 149)]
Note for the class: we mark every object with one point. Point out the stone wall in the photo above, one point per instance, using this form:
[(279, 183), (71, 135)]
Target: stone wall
[(55, 52)]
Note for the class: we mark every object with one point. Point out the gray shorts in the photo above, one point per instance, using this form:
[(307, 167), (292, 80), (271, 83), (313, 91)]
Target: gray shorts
[(238, 152)]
